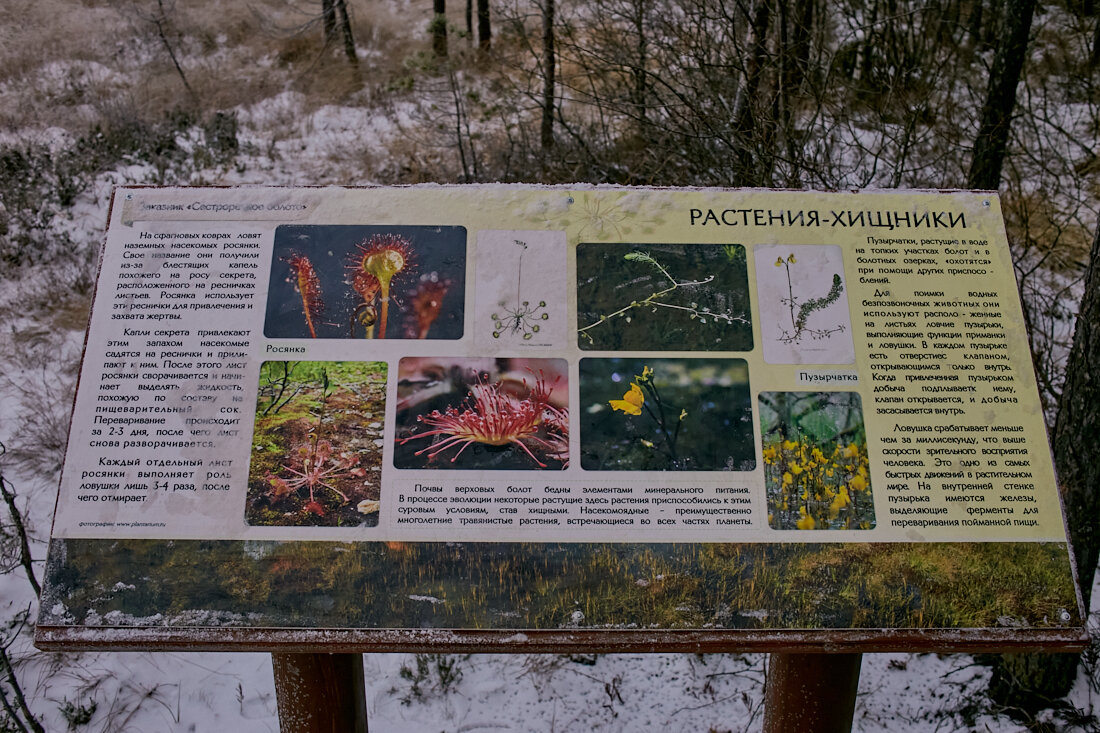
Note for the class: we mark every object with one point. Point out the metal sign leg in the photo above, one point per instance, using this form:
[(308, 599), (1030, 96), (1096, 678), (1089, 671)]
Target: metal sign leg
[(811, 693), (320, 693)]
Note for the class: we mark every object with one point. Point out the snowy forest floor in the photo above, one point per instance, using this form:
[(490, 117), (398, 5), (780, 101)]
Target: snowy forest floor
[(93, 95)]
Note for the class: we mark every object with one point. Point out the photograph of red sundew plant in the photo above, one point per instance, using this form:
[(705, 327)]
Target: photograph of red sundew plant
[(373, 282), (317, 445), (816, 471), (455, 413)]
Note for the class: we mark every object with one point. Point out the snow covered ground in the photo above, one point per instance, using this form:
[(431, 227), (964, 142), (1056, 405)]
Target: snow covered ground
[(288, 137)]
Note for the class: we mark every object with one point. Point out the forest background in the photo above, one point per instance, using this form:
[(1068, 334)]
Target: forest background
[(999, 94)]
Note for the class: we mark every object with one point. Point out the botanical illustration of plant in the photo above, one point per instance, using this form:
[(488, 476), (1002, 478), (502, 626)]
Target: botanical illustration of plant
[(665, 415), (665, 297), (816, 471), (801, 310), (378, 282), (317, 444), (519, 318), (478, 420)]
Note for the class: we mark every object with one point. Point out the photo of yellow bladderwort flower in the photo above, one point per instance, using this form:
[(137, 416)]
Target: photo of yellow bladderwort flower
[(816, 471), (666, 415)]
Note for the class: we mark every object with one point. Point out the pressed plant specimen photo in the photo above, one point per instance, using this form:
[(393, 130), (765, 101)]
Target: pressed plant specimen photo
[(317, 444), (804, 316), (663, 297), (816, 471), (666, 415), (460, 413), (367, 282)]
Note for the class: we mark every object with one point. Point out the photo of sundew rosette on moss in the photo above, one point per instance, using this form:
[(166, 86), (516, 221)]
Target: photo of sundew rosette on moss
[(666, 415), (816, 472), (317, 445), (372, 282), (469, 413), (663, 297)]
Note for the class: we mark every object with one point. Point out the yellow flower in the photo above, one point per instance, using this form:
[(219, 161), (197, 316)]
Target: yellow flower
[(858, 483), (806, 522), (645, 375), (788, 479), (851, 451), (789, 445), (796, 469), (632, 401), (770, 454), (683, 414), (779, 262), (791, 259)]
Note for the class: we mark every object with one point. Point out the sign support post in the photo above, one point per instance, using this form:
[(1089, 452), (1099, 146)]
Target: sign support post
[(320, 693), (810, 693)]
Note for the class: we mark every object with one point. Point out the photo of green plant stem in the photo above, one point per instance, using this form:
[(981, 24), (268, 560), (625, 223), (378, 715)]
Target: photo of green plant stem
[(663, 297), (317, 445), (666, 415), (816, 472), (492, 585), (372, 282)]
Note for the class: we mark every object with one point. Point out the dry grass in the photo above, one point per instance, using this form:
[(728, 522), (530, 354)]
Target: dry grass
[(61, 63)]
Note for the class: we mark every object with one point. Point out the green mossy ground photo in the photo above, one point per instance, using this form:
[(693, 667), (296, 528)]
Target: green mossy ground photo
[(951, 585), (317, 445)]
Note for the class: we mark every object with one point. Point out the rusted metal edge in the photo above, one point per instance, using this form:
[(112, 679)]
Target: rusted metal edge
[(297, 640)]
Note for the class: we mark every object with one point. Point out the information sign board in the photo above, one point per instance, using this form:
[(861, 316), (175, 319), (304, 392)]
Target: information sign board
[(556, 410)]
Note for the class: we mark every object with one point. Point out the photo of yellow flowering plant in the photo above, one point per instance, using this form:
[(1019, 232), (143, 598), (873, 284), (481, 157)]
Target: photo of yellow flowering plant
[(816, 471), (646, 414)]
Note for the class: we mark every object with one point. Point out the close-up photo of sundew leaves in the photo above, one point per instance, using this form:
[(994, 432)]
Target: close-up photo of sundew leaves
[(317, 445), (482, 414), (367, 282), (816, 472), (663, 297), (641, 414)]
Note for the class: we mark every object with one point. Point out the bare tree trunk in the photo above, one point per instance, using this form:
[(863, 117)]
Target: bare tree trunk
[(794, 63), (747, 115), (484, 30), (349, 40), (160, 22), (546, 132), (1078, 421), (1094, 59), (469, 22), (1000, 99), (1032, 682), (328, 21), (974, 23), (439, 28), (639, 88)]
